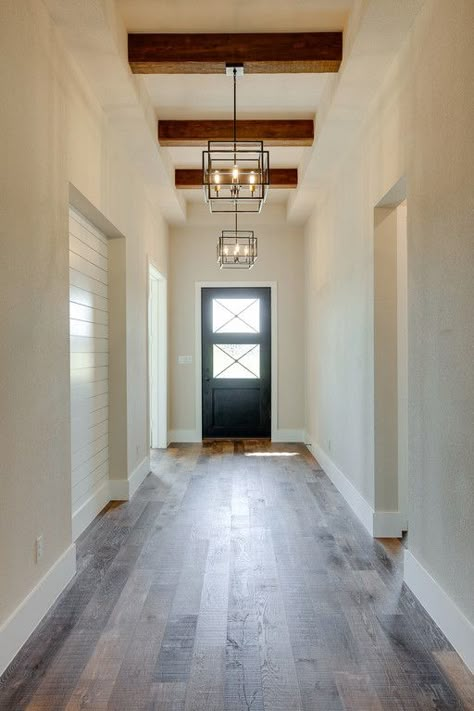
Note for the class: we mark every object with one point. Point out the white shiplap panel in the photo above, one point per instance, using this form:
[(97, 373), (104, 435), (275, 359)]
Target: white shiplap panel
[(79, 264), (87, 451), (77, 220), (83, 250), (83, 297), (88, 314), (84, 391), (83, 281), (88, 375), (81, 433), (85, 407), (89, 360), (88, 328), (85, 469), (88, 238), (91, 491), (82, 344)]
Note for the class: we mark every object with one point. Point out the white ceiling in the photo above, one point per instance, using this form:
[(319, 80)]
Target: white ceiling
[(194, 96), (234, 15)]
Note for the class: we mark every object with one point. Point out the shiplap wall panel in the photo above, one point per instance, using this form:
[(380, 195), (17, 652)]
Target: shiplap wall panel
[(89, 345)]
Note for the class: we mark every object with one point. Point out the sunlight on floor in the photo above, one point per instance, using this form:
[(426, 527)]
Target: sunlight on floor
[(271, 454)]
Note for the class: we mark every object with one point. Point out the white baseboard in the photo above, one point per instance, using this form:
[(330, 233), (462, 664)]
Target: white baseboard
[(449, 618), (124, 489), (288, 436), (184, 436), (356, 501), (89, 510), (388, 524), (19, 626), (138, 475)]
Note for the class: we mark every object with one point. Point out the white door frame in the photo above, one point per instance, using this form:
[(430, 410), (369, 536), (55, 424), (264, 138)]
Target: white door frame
[(199, 286), (158, 371)]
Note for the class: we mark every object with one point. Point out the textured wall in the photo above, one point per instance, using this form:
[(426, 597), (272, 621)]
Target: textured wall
[(193, 259), (420, 126), (53, 131)]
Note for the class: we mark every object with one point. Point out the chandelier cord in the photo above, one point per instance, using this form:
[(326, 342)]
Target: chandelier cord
[(235, 107)]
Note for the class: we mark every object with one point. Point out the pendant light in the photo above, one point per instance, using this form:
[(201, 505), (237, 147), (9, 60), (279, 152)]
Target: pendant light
[(235, 174), (236, 249)]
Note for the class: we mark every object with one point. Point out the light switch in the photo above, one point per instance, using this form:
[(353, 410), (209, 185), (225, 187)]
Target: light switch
[(185, 359)]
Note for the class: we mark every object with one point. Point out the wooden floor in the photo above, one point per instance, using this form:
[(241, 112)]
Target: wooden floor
[(237, 579)]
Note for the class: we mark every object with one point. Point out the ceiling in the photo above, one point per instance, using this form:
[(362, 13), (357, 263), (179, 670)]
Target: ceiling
[(209, 96)]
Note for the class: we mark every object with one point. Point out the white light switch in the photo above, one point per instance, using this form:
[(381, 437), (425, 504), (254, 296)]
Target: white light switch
[(185, 359)]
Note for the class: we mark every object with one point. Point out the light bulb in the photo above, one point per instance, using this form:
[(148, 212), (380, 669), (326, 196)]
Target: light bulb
[(235, 172), (237, 248), (217, 177), (226, 251), (246, 251), (252, 177)]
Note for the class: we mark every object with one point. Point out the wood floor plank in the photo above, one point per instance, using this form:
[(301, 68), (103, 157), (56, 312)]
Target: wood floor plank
[(236, 579)]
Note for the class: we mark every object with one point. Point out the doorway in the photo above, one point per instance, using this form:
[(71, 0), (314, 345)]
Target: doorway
[(236, 362), (157, 359), (390, 366)]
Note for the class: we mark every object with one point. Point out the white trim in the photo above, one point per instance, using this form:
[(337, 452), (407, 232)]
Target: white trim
[(21, 624), (449, 618), (389, 524), (159, 440), (356, 501), (288, 436), (89, 510), (199, 285), (124, 489), (183, 436), (138, 476)]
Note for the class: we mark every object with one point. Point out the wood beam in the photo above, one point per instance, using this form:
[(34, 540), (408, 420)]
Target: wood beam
[(261, 53), (191, 178), (273, 132)]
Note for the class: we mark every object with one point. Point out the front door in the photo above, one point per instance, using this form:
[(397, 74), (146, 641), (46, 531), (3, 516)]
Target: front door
[(236, 362)]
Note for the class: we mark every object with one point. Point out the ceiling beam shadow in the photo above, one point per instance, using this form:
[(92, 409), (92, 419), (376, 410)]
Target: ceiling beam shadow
[(272, 132), (261, 53), (191, 178)]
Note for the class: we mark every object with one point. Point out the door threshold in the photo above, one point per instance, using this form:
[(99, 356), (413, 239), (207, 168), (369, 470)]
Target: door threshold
[(206, 440)]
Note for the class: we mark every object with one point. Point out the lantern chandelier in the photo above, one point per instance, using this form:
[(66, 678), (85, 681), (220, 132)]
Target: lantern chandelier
[(236, 249), (235, 174)]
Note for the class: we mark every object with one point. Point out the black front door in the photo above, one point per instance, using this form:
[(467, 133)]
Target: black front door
[(236, 362)]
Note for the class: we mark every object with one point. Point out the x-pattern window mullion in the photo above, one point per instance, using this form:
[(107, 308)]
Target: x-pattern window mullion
[(236, 360), (237, 316)]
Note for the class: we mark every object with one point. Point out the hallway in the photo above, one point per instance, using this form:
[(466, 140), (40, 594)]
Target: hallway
[(236, 579)]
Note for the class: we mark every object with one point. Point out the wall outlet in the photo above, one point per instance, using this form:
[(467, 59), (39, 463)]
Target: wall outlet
[(185, 359), (39, 548)]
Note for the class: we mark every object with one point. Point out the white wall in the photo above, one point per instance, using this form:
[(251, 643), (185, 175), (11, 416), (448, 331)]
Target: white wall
[(193, 259), (55, 133), (420, 126)]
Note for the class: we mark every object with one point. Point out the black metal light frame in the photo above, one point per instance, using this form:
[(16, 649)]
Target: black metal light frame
[(235, 174), (237, 249)]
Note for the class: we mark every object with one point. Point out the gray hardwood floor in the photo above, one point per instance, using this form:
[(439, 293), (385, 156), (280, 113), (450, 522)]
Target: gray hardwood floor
[(236, 579)]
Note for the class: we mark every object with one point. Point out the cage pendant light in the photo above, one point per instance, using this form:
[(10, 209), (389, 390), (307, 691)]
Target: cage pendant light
[(235, 174), (236, 249)]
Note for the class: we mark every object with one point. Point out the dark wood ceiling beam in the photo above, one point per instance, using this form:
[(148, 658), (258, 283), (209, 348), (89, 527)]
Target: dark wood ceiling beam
[(261, 53), (191, 178), (272, 132)]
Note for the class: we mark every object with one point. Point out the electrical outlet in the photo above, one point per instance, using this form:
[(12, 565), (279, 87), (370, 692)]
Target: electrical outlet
[(39, 548)]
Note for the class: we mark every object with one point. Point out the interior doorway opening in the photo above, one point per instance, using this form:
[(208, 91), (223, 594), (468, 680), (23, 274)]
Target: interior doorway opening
[(391, 364), (157, 359)]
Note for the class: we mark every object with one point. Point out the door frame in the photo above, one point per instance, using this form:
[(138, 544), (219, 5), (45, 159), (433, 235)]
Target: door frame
[(160, 439), (199, 286)]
